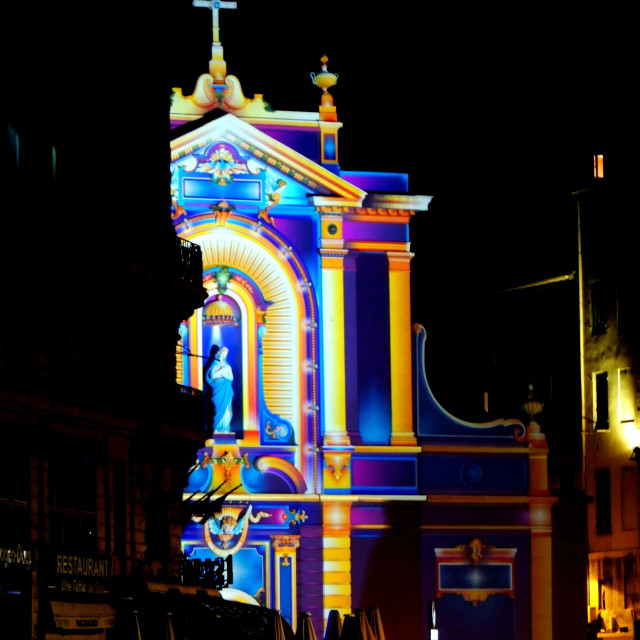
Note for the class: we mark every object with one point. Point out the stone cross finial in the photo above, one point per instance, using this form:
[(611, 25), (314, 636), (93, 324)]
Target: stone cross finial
[(215, 6)]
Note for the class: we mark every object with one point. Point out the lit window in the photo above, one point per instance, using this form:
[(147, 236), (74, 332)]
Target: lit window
[(598, 166)]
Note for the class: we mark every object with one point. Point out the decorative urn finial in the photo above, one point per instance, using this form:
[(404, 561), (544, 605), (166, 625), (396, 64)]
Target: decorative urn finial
[(324, 80), (532, 407)]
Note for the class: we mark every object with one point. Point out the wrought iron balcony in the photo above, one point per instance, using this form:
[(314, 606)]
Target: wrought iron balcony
[(216, 573), (188, 407), (189, 391), (188, 262)]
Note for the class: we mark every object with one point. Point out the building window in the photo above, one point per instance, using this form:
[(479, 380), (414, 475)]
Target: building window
[(601, 401), (14, 493), (629, 486), (73, 494), (603, 501), (54, 163), (13, 147), (598, 166), (598, 308), (626, 395), (631, 575), (120, 508)]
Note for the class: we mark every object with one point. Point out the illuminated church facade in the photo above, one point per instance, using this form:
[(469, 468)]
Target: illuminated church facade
[(348, 485)]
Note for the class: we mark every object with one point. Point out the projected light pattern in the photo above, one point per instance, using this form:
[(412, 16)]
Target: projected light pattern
[(338, 439)]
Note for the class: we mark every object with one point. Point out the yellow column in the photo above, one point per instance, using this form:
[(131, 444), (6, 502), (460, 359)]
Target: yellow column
[(336, 556), (400, 342), (333, 370)]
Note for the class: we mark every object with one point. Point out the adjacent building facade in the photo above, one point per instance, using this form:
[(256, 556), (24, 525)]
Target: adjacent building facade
[(97, 437), (611, 400)]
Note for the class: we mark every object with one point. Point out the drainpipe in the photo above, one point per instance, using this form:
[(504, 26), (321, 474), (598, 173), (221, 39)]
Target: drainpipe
[(583, 412)]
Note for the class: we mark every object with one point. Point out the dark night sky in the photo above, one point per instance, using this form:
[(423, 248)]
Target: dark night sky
[(495, 112), (462, 97), (486, 109)]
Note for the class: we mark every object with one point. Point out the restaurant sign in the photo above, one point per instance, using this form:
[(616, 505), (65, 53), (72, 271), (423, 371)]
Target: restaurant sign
[(15, 556), (81, 573)]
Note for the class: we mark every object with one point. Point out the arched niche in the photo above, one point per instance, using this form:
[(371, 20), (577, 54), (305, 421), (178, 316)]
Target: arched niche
[(277, 314)]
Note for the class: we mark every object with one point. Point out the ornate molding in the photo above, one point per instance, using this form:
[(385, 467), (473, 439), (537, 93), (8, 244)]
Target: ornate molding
[(475, 571), (285, 546), (229, 462), (295, 516)]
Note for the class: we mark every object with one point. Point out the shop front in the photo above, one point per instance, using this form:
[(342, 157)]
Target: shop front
[(77, 601), (16, 565)]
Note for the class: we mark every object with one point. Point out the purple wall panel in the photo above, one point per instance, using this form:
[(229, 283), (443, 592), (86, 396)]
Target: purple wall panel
[(310, 575), (374, 357), (382, 231), (384, 474), (305, 142)]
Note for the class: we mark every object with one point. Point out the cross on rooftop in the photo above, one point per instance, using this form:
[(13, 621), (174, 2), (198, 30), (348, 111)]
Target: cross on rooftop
[(215, 6)]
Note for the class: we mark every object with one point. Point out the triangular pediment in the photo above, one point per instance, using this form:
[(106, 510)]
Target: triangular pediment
[(266, 150)]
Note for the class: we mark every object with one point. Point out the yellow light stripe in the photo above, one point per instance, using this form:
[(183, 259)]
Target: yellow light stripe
[(343, 589), (363, 245), (334, 360)]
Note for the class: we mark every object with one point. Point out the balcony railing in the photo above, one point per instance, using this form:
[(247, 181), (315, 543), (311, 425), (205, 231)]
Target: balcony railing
[(189, 391), (188, 408), (216, 573), (188, 262)]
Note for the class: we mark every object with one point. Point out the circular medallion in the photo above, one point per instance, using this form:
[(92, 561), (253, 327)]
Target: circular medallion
[(472, 473)]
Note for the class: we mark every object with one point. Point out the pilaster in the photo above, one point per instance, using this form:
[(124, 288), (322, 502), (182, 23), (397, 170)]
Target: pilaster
[(400, 344), (336, 517), (332, 256), (285, 551), (351, 347)]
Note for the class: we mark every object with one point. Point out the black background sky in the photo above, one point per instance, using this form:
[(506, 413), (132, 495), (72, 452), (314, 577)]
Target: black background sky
[(458, 96), (495, 111)]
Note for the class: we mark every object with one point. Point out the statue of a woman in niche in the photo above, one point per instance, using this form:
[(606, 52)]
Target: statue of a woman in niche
[(208, 391), (219, 377)]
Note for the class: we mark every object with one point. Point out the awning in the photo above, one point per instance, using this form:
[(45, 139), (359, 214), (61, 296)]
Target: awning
[(98, 635), (83, 616)]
